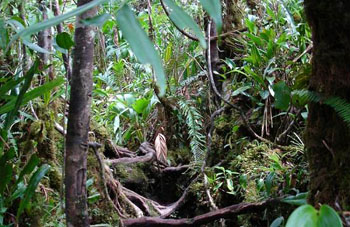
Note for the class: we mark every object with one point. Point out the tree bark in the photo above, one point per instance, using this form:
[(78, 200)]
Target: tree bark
[(327, 136), (45, 41), (78, 122)]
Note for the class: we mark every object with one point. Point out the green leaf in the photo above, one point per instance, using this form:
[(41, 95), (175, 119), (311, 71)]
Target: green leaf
[(141, 45), (304, 216), (277, 222), (9, 85), (98, 20), (140, 105), (36, 92), (64, 40), (328, 217), (282, 95), (5, 176), (213, 7), (29, 167), (299, 199), (32, 185), (4, 37), (54, 21), (34, 46), (183, 21), (28, 79)]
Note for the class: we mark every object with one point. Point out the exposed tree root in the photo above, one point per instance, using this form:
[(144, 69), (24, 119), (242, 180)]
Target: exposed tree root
[(146, 148), (227, 213)]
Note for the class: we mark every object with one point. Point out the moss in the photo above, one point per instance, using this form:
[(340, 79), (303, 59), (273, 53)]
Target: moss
[(180, 155), (55, 177), (131, 174)]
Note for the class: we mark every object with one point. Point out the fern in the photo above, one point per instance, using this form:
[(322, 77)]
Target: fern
[(340, 106), (195, 126)]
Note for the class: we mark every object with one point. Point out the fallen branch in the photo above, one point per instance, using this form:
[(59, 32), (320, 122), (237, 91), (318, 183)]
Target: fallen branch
[(175, 169), (227, 213)]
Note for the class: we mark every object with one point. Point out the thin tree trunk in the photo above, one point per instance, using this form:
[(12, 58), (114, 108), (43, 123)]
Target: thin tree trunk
[(65, 57), (78, 122), (45, 41), (327, 135)]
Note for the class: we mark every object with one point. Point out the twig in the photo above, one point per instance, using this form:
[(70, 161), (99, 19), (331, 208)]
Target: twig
[(289, 126)]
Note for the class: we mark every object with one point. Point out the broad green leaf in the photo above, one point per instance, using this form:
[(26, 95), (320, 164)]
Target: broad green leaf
[(28, 79), (36, 92), (304, 216), (183, 21), (98, 20), (141, 45), (328, 217), (213, 7), (282, 95), (5, 176), (140, 105), (29, 167), (299, 199), (64, 40), (32, 185), (54, 21)]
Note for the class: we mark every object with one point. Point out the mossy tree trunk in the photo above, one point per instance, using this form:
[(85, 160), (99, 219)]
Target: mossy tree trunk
[(327, 135), (78, 122)]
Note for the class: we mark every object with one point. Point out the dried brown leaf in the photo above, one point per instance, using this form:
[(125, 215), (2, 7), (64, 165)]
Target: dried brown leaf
[(161, 149)]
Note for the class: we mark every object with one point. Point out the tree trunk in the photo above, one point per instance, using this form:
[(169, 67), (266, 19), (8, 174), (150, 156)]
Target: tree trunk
[(45, 41), (327, 136), (78, 122)]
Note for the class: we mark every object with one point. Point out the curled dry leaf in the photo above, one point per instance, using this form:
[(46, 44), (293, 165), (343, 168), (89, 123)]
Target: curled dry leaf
[(161, 149)]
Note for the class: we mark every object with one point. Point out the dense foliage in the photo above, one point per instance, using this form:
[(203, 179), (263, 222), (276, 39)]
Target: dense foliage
[(153, 63)]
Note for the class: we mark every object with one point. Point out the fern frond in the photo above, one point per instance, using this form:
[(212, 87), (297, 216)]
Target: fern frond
[(341, 106), (195, 125)]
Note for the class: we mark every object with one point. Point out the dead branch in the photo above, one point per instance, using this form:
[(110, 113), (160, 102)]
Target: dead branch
[(227, 213), (175, 169)]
